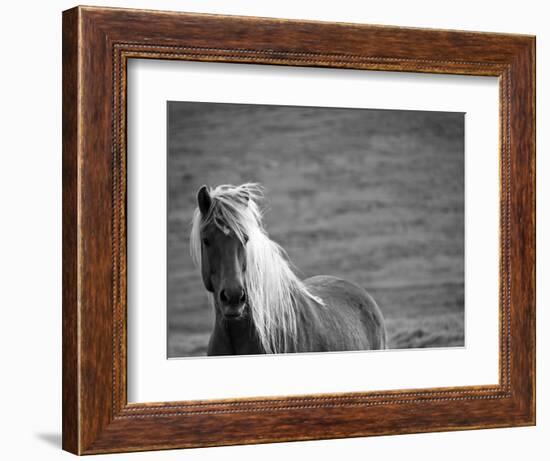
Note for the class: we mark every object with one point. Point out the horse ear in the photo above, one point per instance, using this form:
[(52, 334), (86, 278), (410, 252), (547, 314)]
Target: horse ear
[(246, 197), (204, 199)]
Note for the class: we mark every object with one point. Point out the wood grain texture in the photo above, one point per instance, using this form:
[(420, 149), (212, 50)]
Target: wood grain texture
[(97, 42), (70, 384)]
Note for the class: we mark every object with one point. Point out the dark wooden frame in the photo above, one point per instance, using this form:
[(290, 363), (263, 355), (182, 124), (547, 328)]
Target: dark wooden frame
[(97, 43)]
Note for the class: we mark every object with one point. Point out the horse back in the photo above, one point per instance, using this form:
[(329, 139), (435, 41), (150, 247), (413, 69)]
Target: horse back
[(350, 307)]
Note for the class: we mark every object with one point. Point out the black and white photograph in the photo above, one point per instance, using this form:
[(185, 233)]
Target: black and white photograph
[(313, 229)]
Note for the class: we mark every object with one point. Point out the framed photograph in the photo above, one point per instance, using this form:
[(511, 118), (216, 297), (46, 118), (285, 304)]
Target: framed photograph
[(282, 230)]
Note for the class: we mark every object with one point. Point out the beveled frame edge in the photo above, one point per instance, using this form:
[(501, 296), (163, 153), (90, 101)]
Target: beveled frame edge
[(97, 43)]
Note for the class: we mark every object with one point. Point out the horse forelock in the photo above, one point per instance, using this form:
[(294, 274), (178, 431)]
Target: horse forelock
[(275, 294), (233, 209)]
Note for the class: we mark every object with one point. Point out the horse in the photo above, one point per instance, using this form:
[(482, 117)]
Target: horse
[(261, 306)]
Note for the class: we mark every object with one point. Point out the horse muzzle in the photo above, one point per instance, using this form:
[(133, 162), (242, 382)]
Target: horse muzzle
[(234, 312), (232, 302)]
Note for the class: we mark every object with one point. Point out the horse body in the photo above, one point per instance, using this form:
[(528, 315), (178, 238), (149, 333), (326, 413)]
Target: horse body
[(260, 304), (349, 320)]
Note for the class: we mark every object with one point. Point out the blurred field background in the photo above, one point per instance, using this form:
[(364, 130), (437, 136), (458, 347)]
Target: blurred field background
[(372, 196)]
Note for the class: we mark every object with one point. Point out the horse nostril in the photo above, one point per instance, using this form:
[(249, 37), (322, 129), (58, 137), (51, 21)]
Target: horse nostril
[(232, 297)]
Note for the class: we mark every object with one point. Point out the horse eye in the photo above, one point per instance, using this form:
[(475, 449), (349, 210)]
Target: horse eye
[(245, 238), (206, 242)]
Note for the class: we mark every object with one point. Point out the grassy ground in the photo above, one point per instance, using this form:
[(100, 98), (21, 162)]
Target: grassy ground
[(376, 197)]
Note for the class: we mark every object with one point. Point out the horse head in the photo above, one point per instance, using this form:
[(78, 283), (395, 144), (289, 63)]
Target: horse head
[(223, 258)]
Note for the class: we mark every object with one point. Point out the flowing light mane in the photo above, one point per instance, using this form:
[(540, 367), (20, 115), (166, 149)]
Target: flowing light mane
[(274, 292)]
